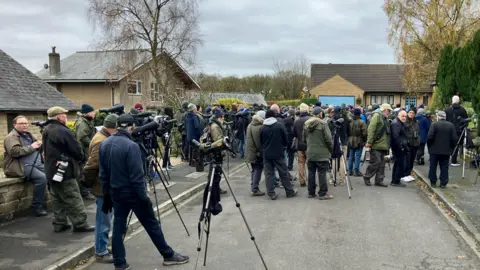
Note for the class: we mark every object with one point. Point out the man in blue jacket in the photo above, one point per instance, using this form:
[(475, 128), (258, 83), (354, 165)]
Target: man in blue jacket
[(124, 188), (424, 126)]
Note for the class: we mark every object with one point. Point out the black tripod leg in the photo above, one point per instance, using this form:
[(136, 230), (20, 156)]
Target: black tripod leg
[(128, 224), (207, 232), (161, 171), (237, 204), (206, 215), (171, 199)]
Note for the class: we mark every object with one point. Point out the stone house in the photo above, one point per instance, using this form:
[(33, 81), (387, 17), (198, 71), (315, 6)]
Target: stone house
[(105, 78), (22, 93), (367, 83)]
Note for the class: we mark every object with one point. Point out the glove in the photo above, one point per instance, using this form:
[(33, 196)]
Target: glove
[(107, 204)]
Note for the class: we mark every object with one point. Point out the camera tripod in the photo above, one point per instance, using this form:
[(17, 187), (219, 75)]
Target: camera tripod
[(336, 165), (152, 168), (463, 137), (215, 175)]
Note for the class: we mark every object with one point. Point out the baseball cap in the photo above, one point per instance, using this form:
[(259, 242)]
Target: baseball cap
[(125, 120), (386, 106)]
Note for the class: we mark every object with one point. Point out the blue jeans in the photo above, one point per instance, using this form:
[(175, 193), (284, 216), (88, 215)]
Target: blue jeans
[(102, 228), (355, 154), (241, 147), (36, 175), (143, 209)]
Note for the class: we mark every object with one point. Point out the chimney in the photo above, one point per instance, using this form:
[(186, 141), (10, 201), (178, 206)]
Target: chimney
[(54, 62)]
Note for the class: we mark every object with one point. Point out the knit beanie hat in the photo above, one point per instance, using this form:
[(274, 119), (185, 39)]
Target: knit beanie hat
[(356, 112), (110, 121), (261, 114), (86, 108), (303, 107)]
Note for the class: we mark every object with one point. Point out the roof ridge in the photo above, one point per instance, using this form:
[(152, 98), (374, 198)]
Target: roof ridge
[(104, 51)]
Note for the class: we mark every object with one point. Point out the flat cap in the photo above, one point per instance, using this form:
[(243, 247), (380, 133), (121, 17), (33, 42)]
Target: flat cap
[(54, 111)]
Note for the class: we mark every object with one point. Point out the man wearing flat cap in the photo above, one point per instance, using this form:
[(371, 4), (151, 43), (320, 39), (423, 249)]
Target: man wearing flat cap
[(60, 148), (122, 177), (91, 174)]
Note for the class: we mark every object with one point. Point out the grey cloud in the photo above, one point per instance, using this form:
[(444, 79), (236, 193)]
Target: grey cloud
[(240, 37)]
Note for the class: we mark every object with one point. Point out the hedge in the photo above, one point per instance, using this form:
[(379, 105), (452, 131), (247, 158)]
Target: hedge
[(458, 72), (291, 102)]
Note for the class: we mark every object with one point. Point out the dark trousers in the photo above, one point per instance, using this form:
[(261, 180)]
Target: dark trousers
[(398, 170), (320, 167), (290, 158), (442, 161), (457, 149), (257, 169), (410, 160), (143, 210), (269, 165), (421, 151), (185, 147), (36, 175), (166, 157), (376, 166)]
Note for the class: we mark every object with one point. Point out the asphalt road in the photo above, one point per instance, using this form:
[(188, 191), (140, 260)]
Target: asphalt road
[(379, 228)]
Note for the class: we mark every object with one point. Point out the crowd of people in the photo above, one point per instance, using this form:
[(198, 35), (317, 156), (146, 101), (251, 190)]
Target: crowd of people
[(105, 165)]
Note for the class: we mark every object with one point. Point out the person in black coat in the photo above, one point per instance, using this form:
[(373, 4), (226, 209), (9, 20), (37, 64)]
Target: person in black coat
[(273, 138), (441, 140), (289, 120), (455, 114), (399, 144)]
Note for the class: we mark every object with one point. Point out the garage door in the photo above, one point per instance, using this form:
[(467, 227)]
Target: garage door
[(337, 100)]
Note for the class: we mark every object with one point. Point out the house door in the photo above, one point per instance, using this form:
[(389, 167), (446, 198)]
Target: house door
[(410, 101)]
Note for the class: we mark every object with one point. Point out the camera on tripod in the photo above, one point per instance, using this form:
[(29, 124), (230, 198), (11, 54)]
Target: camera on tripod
[(337, 123), (40, 124), (212, 150), (116, 109), (463, 122)]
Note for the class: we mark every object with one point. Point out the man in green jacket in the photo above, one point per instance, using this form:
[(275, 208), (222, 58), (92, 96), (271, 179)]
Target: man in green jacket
[(84, 131), (318, 137), (378, 142), (217, 129), (253, 151)]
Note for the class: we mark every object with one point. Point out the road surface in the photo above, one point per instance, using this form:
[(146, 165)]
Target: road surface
[(379, 228)]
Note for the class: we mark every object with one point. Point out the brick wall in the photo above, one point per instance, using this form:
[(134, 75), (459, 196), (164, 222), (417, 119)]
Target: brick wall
[(15, 198), (337, 86)]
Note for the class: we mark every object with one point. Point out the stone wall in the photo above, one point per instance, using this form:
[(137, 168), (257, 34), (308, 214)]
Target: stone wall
[(15, 198)]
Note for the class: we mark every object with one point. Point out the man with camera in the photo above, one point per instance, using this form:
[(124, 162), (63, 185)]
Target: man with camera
[(341, 128), (455, 114), (91, 174), (63, 155), (124, 188), (22, 159), (319, 142), (217, 130), (400, 149), (379, 144), (84, 131)]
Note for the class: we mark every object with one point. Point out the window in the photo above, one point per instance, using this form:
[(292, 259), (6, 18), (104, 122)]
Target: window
[(134, 87), (425, 100), (10, 117), (154, 92), (379, 99)]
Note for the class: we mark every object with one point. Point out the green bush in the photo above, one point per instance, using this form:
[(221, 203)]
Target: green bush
[(308, 101), (291, 102)]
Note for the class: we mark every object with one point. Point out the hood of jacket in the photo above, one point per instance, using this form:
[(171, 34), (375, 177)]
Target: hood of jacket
[(257, 120), (456, 106), (312, 123), (269, 121)]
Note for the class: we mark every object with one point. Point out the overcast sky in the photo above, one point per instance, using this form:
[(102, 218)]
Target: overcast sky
[(241, 37)]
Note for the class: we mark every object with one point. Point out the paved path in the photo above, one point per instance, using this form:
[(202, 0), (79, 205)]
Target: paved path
[(30, 243), (461, 192), (379, 228)]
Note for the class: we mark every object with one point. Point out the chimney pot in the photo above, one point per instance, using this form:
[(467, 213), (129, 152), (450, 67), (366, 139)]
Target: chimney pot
[(54, 62)]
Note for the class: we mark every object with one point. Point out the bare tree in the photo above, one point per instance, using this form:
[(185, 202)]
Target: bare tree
[(291, 77), (160, 32)]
